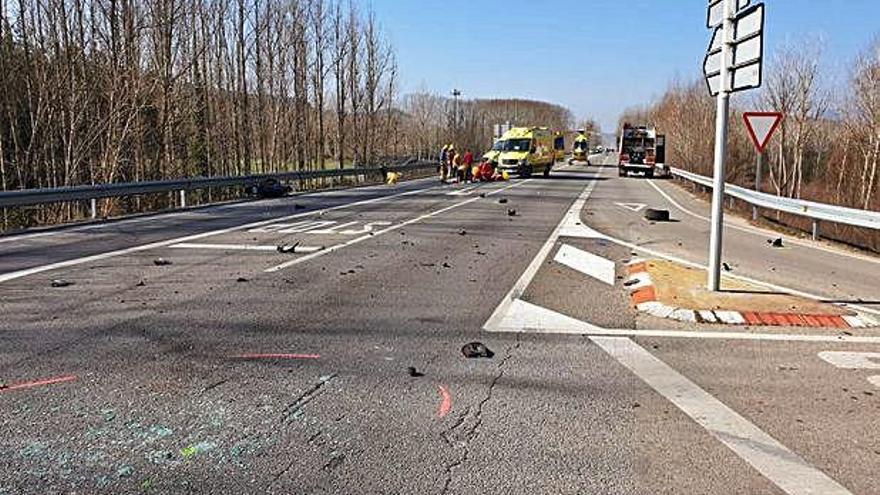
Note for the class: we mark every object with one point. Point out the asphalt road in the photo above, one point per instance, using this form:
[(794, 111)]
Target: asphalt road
[(239, 369)]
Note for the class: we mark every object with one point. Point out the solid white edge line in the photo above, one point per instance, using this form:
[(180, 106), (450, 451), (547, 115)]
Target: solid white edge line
[(526, 278), (768, 456), (337, 247), (5, 277), (597, 267)]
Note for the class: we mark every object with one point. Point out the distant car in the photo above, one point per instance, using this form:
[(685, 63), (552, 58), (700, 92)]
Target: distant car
[(270, 188)]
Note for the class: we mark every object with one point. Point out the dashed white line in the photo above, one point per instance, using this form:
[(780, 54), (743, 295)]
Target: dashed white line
[(768, 456)]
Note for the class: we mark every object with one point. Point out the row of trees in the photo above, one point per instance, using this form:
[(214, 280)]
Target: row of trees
[(97, 91), (431, 120), (100, 91), (827, 148)]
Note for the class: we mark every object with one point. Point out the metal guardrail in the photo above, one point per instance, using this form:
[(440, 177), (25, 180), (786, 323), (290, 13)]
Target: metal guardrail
[(810, 209), (30, 197)]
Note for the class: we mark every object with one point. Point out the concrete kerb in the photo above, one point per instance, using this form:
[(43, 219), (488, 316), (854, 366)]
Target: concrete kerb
[(645, 299)]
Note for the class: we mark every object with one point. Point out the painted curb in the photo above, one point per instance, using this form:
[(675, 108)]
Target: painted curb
[(644, 298)]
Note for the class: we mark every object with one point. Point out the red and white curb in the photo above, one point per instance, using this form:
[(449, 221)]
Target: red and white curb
[(644, 298)]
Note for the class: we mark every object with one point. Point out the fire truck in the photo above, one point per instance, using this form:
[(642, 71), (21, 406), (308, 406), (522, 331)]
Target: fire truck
[(641, 150)]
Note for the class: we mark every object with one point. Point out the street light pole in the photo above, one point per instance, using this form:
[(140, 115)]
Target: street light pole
[(721, 119), (455, 94)]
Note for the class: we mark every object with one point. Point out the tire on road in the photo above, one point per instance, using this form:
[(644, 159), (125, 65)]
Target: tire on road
[(657, 215)]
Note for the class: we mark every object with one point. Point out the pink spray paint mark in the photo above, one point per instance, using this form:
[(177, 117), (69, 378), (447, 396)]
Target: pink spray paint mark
[(277, 356), (445, 403), (39, 383)]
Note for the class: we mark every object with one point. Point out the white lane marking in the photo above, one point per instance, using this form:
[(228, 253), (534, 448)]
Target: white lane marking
[(337, 247), (526, 317), (589, 264), (368, 227), (334, 230), (768, 456), (874, 380), (573, 213), (242, 247), (765, 233), (636, 207), (219, 206), (5, 277), (464, 192), (852, 360)]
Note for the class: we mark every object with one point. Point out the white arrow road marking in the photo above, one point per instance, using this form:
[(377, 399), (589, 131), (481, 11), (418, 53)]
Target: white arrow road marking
[(367, 228), (636, 207), (589, 264), (775, 461)]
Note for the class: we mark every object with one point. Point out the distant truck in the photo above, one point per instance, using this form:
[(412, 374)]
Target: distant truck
[(525, 151), (641, 150)]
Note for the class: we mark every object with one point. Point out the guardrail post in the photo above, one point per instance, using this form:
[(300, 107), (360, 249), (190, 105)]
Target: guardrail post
[(815, 230), (183, 198), (94, 208), (754, 213)]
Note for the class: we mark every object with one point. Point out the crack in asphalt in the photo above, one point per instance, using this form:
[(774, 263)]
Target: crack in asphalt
[(473, 431)]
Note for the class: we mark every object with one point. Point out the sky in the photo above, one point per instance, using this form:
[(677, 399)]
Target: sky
[(596, 57)]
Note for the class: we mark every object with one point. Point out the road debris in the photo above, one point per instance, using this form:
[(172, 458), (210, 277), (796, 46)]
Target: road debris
[(446, 265), (655, 215), (482, 195), (287, 248), (299, 207), (776, 243), (462, 232), (413, 372), (511, 212), (474, 350), (162, 262), (726, 267), (502, 201), (59, 283), (142, 283), (242, 280)]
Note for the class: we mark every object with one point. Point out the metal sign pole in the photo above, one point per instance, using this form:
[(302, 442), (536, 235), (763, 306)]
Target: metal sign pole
[(759, 169), (721, 120)]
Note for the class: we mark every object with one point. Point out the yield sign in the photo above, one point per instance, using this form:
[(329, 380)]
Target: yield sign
[(761, 126)]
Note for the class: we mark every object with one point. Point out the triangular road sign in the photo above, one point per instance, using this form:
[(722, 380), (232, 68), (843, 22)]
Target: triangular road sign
[(761, 126), (636, 207)]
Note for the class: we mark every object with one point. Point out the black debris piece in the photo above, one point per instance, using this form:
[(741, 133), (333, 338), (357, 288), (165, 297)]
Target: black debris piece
[(511, 212), (474, 350), (657, 215), (502, 201), (141, 284), (630, 283), (726, 267), (287, 248), (482, 195), (58, 283), (413, 372), (777, 243), (462, 232), (162, 262), (446, 265), (242, 279)]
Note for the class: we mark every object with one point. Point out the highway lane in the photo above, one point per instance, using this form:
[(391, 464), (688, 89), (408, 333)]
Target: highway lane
[(180, 387), (815, 268)]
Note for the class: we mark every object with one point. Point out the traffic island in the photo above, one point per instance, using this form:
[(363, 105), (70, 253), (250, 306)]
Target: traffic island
[(669, 290)]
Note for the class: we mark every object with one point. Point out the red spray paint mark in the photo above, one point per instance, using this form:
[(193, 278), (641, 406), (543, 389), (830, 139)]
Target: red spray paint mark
[(276, 356), (445, 403), (39, 383)]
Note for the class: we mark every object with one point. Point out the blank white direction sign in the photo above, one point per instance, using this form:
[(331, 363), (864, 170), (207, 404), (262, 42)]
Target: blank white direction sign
[(747, 60), (716, 11)]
